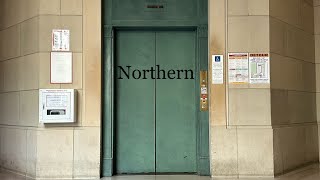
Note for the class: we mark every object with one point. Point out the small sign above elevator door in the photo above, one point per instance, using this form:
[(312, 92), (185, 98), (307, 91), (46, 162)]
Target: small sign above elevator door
[(155, 6), (146, 10)]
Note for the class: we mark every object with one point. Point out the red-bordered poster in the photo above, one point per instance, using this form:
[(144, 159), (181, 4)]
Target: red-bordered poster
[(238, 68)]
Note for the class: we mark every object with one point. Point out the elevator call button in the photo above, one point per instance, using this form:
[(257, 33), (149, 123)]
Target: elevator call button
[(204, 91)]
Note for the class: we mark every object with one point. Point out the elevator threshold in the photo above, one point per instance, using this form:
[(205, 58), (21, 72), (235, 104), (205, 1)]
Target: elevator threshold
[(139, 174)]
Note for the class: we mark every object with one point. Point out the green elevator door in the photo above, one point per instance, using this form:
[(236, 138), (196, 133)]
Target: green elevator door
[(155, 119)]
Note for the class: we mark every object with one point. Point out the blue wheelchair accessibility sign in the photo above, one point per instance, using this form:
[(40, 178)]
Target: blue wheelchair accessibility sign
[(217, 59)]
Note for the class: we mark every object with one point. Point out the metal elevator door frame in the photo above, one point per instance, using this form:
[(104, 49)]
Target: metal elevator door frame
[(108, 128), (171, 14)]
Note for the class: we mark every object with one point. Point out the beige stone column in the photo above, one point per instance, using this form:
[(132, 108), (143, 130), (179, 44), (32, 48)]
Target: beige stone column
[(317, 38), (56, 150), (265, 130), (240, 131), (293, 86), (72, 151), (316, 4)]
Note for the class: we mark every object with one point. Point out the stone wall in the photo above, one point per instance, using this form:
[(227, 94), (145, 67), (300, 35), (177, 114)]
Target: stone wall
[(241, 133), (293, 87), (30, 148), (316, 4), (265, 130), (255, 130)]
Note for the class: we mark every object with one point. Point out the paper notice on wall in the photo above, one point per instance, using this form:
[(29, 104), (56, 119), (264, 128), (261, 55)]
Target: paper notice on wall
[(61, 67), (217, 69), (259, 68), (58, 100), (238, 68), (60, 40)]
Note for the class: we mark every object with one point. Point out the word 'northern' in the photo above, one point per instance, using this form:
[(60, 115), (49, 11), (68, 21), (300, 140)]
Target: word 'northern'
[(153, 73)]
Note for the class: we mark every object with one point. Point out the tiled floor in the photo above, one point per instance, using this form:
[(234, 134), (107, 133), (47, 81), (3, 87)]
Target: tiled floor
[(308, 173)]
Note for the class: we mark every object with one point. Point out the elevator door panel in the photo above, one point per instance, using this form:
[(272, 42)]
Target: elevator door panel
[(155, 119), (135, 125), (175, 103)]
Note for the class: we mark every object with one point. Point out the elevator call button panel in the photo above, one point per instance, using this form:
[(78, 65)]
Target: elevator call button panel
[(57, 105), (204, 105)]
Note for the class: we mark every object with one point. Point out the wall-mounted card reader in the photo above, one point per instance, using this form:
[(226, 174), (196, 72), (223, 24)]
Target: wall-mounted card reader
[(57, 105)]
